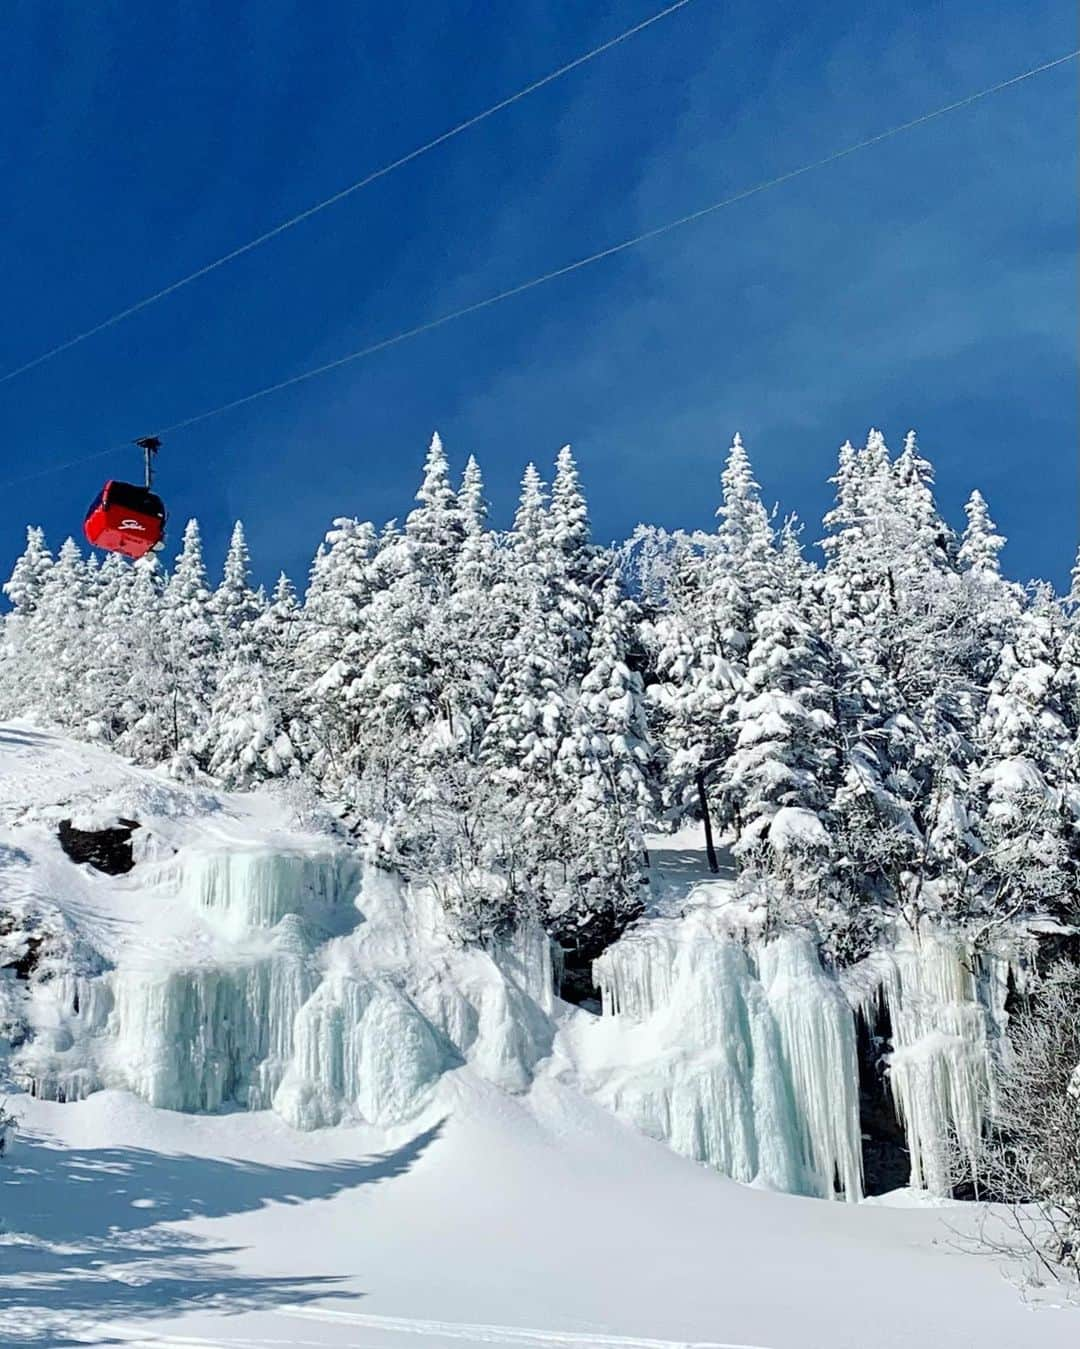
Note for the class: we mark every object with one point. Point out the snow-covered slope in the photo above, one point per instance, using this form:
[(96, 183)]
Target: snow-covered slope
[(535, 1220), (463, 1170)]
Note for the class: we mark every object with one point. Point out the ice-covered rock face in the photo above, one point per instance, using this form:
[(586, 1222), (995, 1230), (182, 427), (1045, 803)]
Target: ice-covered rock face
[(743, 1060), (945, 1005), (818, 1045), (300, 984), (363, 1048), (246, 960), (244, 888), (194, 1039), (742, 1053)]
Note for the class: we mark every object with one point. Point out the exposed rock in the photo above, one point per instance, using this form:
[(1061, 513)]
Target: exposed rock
[(886, 1160), (107, 850)]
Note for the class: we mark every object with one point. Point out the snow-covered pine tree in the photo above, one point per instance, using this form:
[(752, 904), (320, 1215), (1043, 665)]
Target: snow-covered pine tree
[(235, 602), (981, 543), (989, 618), (607, 760), (896, 610), (777, 787), (144, 702), (570, 567), (409, 719), (1022, 810), (435, 526), (332, 648), (604, 778), (277, 631), (190, 651), (58, 650), (23, 590), (110, 612), (28, 575), (741, 575), (522, 566), (476, 625), (1025, 714), (246, 740), (529, 717), (701, 640)]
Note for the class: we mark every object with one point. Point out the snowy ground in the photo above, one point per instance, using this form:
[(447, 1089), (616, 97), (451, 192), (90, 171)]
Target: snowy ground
[(535, 1220), (538, 1221)]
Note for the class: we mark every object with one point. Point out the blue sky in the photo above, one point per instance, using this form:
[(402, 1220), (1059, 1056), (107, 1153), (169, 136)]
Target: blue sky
[(928, 282)]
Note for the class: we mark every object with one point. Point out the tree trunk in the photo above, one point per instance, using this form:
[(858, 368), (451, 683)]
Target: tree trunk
[(703, 801)]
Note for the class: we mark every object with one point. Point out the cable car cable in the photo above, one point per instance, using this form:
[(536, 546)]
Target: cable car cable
[(575, 266), (344, 192)]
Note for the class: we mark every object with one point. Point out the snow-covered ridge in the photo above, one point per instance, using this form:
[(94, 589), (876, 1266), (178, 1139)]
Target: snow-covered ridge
[(249, 960)]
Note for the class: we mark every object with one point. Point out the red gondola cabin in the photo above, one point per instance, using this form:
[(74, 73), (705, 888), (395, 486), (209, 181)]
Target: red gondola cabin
[(125, 519)]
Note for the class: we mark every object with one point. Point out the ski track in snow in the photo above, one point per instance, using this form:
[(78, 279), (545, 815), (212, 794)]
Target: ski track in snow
[(402, 1325), (461, 1330)]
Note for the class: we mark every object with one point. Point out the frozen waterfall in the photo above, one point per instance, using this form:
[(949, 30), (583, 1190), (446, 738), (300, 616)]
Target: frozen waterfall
[(945, 1006), (741, 1058), (242, 888), (274, 972), (196, 1038), (293, 980)]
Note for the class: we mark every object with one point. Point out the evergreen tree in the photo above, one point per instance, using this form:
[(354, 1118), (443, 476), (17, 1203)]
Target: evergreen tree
[(24, 586), (702, 640), (521, 565), (981, 542), (606, 759), (332, 647), (436, 526), (146, 734), (476, 625), (235, 603), (569, 567), (741, 575), (191, 650), (246, 740), (59, 644)]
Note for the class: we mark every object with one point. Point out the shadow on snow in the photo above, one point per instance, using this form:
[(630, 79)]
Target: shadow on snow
[(84, 1232)]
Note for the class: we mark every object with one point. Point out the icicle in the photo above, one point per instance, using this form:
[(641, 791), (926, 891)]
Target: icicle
[(256, 888), (817, 1037), (634, 975), (946, 1008), (528, 960), (192, 1039), (757, 1077), (361, 1050)]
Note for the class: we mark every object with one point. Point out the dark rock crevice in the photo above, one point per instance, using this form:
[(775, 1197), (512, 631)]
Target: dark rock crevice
[(106, 850), (886, 1161)]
